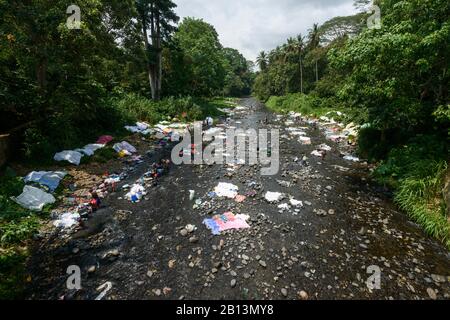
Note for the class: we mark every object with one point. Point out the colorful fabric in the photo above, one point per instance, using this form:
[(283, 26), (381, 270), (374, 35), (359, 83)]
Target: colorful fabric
[(226, 221)]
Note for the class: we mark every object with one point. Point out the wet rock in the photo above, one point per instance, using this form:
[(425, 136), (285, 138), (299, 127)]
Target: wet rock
[(438, 278), (303, 295), (111, 254), (157, 292), (431, 293), (321, 212)]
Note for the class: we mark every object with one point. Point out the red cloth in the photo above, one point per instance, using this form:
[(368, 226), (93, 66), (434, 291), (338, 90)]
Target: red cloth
[(104, 139)]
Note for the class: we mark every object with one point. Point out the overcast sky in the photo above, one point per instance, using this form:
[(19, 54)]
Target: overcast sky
[(255, 25)]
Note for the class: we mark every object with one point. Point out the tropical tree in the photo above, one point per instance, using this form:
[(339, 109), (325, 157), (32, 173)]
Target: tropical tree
[(157, 17), (314, 43), (201, 46), (261, 61), (301, 49)]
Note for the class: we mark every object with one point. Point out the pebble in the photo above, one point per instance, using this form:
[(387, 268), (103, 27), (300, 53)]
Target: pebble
[(193, 239), (302, 295), (431, 293), (233, 283), (263, 263), (284, 292)]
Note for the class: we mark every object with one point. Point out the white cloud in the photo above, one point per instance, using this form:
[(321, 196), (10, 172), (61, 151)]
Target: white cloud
[(255, 25)]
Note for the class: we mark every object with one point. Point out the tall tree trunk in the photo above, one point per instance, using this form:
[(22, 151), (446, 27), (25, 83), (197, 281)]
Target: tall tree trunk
[(158, 58), (147, 58), (41, 73), (155, 64), (301, 75), (317, 72)]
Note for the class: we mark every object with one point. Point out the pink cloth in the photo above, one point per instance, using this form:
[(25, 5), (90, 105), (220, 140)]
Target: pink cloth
[(104, 139), (227, 221)]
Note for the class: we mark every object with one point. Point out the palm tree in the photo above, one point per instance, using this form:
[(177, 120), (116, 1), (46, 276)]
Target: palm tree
[(301, 48), (314, 43), (261, 61), (290, 48)]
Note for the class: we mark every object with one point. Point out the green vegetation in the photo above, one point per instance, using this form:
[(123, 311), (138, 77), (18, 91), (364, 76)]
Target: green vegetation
[(392, 80), (61, 88), (17, 226), (304, 104)]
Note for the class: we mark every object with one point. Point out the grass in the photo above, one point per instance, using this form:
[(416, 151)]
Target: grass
[(305, 104), (416, 172), (17, 226), (420, 195)]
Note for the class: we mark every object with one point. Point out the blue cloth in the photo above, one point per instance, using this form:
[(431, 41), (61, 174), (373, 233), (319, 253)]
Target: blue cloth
[(212, 225), (50, 179)]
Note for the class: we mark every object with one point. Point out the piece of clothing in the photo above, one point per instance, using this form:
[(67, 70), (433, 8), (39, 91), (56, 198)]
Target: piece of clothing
[(33, 198), (50, 179), (105, 140), (226, 221), (74, 157), (124, 146)]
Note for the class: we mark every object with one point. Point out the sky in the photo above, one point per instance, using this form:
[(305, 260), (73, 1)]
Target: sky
[(252, 26)]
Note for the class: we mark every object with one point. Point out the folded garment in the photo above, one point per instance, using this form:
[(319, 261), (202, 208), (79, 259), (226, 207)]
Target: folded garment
[(67, 220), (34, 198), (124, 146), (50, 179), (90, 149), (227, 190), (74, 157)]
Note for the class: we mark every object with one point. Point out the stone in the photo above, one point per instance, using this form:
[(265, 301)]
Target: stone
[(431, 294), (262, 263), (233, 283), (193, 239), (303, 295), (284, 292), (157, 292)]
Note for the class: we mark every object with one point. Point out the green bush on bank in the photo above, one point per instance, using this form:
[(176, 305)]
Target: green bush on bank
[(305, 104), (64, 131)]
